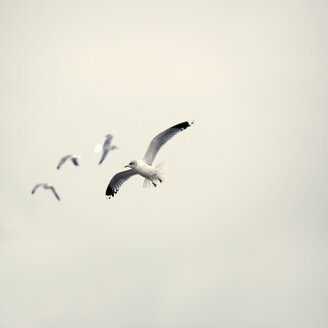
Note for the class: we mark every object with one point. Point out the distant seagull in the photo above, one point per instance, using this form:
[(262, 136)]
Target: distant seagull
[(106, 147), (73, 158), (144, 167), (46, 186)]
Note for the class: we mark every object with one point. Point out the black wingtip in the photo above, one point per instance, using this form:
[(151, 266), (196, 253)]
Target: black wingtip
[(110, 192), (183, 125)]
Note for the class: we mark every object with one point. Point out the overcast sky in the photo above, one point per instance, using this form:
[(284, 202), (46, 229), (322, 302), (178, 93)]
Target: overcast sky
[(237, 234)]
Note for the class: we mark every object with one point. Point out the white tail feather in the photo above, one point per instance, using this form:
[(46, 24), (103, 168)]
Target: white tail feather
[(162, 171), (147, 183)]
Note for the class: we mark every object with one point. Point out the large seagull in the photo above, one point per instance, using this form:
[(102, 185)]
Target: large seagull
[(144, 167)]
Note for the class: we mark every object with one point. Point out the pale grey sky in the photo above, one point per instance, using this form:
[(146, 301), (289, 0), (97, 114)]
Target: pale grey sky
[(236, 236)]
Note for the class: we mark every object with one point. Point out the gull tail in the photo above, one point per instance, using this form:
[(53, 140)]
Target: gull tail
[(161, 174), (162, 171), (147, 183)]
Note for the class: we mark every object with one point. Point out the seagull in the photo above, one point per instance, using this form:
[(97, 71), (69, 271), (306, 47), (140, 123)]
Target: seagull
[(46, 186), (106, 147), (73, 158), (144, 167)]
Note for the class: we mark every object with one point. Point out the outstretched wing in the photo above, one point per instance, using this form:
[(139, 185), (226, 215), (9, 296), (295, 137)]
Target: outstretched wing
[(62, 161), (104, 154), (75, 161), (117, 181), (55, 193), (106, 148), (161, 139), (36, 187)]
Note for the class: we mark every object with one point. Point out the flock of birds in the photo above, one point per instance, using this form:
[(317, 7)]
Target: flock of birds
[(144, 167)]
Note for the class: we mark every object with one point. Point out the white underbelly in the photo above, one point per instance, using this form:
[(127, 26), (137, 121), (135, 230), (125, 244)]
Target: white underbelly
[(146, 171)]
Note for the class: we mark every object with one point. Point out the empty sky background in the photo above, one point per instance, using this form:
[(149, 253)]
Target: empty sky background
[(236, 236)]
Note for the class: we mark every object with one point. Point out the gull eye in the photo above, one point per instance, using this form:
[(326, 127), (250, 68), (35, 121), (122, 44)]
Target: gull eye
[(131, 163)]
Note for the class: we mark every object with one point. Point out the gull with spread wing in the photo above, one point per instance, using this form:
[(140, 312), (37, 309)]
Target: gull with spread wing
[(73, 158), (46, 186), (144, 167), (106, 147)]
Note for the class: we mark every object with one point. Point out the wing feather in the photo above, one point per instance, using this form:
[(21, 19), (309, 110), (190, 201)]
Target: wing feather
[(106, 148), (62, 161), (104, 154), (55, 193), (161, 139), (36, 187), (117, 181), (75, 161)]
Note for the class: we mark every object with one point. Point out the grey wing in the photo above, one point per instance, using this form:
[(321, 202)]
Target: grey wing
[(161, 139), (117, 181), (62, 161), (106, 148), (75, 161), (36, 187), (55, 193), (104, 154), (107, 141)]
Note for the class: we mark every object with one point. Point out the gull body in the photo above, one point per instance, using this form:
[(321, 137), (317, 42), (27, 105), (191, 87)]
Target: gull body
[(145, 170), (144, 167)]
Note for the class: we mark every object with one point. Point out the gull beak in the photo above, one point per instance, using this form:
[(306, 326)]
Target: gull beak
[(126, 166)]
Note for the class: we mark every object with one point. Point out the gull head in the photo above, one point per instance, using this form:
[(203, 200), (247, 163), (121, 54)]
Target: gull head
[(132, 164)]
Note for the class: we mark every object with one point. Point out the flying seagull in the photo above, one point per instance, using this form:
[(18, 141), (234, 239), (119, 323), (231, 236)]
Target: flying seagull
[(46, 186), (144, 167), (73, 158), (106, 147)]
